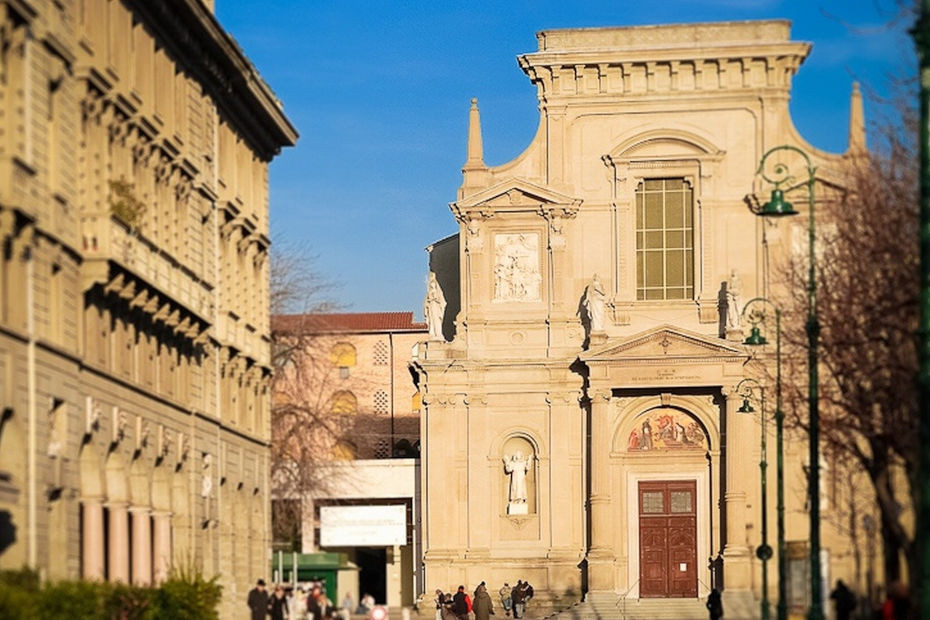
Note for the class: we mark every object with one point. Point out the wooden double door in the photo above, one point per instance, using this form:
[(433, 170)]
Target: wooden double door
[(668, 539)]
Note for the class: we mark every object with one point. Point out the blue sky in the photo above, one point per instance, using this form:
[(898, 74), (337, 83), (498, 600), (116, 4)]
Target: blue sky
[(380, 91)]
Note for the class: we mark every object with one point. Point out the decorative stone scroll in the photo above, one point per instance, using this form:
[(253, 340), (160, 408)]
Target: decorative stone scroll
[(516, 267), (666, 429)]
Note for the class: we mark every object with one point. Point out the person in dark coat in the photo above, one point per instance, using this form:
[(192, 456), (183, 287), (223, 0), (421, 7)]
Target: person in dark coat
[(459, 604), (278, 606), (316, 604), (714, 604), (518, 597), (844, 599), (482, 605), (258, 601)]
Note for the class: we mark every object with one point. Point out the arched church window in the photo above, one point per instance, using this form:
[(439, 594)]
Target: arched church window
[(344, 451), (344, 357), (344, 402)]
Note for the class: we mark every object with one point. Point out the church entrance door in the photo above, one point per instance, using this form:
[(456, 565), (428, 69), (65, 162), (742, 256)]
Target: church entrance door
[(668, 539)]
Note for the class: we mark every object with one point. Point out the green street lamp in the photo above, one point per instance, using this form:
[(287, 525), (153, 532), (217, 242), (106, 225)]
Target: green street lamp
[(778, 207), (764, 552), (921, 34), (755, 312)]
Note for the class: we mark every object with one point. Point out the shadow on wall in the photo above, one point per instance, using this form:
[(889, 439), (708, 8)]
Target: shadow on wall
[(7, 530), (722, 311), (582, 312), (444, 262)]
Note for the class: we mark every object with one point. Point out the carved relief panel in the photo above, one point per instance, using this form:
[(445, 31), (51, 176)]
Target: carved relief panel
[(516, 273)]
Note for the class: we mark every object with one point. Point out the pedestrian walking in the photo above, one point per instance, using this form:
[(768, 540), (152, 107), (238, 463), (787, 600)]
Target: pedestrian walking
[(278, 605), (714, 604), (482, 605), (844, 600), (506, 602), (258, 601), (447, 613), (439, 600), (460, 604), (517, 595)]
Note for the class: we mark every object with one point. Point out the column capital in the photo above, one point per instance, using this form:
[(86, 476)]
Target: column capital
[(730, 392), (116, 505), (600, 395), (147, 509)]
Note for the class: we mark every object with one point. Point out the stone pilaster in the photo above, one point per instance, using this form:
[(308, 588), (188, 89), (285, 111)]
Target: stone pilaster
[(739, 441), (600, 555)]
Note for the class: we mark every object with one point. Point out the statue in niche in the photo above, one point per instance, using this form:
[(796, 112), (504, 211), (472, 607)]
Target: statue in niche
[(517, 467), (516, 267), (734, 290), (434, 307), (594, 303)]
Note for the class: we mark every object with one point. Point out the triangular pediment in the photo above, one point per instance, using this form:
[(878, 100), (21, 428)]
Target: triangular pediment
[(664, 342), (515, 193)]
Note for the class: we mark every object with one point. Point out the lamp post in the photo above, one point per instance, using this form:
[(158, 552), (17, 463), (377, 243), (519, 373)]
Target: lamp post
[(763, 551), (778, 207), (754, 310), (921, 34)]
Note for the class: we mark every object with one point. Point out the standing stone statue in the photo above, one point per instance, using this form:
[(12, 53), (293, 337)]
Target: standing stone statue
[(434, 307), (734, 289), (517, 466), (594, 303)]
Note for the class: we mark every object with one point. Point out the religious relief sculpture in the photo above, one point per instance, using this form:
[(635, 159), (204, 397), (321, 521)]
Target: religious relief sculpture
[(594, 304), (517, 467), (434, 307), (516, 267), (667, 430), (734, 290)]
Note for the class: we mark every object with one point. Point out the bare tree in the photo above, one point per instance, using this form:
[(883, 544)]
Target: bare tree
[(302, 425), (867, 277)]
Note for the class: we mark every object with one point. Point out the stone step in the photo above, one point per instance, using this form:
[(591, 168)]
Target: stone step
[(601, 607)]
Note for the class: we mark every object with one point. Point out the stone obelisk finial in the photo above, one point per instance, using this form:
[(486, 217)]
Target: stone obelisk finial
[(856, 123), (475, 148), (475, 171)]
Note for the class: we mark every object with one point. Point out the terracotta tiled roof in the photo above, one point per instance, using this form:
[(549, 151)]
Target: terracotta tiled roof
[(347, 322)]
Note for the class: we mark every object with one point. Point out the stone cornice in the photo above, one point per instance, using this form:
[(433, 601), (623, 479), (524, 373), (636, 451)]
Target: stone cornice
[(213, 57), (655, 60)]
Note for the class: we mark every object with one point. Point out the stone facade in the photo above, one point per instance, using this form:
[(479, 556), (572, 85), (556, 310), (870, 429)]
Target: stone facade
[(134, 335), (619, 387)]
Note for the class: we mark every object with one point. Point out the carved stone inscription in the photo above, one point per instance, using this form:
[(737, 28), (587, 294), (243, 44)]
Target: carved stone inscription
[(516, 267)]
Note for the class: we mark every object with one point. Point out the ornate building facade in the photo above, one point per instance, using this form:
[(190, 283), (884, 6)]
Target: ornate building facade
[(134, 334), (584, 348)]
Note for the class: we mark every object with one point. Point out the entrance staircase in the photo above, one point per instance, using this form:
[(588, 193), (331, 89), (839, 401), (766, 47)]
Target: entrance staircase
[(607, 606)]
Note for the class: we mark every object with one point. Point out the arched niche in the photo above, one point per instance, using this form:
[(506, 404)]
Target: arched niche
[(116, 477), (91, 472), (519, 457)]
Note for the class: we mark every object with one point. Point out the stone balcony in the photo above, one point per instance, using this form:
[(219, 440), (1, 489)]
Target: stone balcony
[(107, 241)]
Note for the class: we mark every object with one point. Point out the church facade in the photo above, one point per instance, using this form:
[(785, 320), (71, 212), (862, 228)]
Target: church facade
[(580, 426)]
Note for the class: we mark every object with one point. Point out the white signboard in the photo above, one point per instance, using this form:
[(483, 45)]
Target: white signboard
[(363, 526)]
